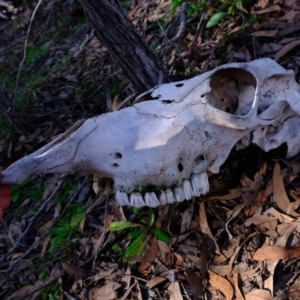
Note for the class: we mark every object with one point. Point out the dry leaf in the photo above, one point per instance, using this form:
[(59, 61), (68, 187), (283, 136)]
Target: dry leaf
[(107, 292), (211, 242), (268, 33), (196, 284), (174, 291), (74, 271), (149, 257), (21, 292), (221, 284), (258, 295), (187, 218), (234, 279), (285, 49), (267, 10), (280, 196), (160, 278), (271, 253)]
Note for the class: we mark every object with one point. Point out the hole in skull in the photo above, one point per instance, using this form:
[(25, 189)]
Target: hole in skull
[(232, 91), (167, 101), (199, 158), (179, 84), (115, 165), (180, 167), (203, 95), (118, 155)]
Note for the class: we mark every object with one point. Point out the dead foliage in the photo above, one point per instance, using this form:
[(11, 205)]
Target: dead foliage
[(241, 241)]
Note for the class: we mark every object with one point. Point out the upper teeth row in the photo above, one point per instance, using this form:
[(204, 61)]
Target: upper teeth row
[(196, 186)]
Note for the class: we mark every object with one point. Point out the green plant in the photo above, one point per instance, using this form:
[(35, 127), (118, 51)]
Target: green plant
[(223, 9), (52, 292), (66, 228), (25, 190), (5, 129), (35, 52), (139, 233)]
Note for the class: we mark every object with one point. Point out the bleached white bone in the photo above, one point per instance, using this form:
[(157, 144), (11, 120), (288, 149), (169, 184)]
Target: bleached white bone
[(158, 151)]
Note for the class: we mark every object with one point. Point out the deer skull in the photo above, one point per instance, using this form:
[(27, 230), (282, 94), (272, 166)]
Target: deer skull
[(158, 151)]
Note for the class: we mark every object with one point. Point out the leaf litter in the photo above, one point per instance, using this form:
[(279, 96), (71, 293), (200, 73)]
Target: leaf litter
[(241, 241)]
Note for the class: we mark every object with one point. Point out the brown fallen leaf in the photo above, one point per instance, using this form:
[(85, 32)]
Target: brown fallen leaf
[(160, 278), (258, 295), (256, 220), (174, 291), (196, 285), (211, 242), (289, 30), (280, 196), (75, 271), (187, 218), (222, 284), (267, 10), (268, 33), (285, 49), (234, 279), (149, 257), (23, 290), (107, 292), (276, 253)]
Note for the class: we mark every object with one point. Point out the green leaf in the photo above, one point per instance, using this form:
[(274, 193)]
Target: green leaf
[(56, 230), (215, 19), (136, 233), (161, 235), (116, 249), (137, 246), (116, 226)]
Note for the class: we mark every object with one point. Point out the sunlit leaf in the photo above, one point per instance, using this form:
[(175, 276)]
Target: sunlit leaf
[(137, 246), (137, 232), (161, 235), (215, 19), (116, 226)]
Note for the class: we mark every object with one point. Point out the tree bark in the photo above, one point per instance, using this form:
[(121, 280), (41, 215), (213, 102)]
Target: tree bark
[(125, 44)]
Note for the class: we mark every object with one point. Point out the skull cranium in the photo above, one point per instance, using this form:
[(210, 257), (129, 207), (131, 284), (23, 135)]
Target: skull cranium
[(158, 151)]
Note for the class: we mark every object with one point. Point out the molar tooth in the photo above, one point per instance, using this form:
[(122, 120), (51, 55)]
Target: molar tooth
[(179, 194), (187, 188), (200, 184), (136, 199), (170, 196), (151, 200), (163, 198), (122, 198)]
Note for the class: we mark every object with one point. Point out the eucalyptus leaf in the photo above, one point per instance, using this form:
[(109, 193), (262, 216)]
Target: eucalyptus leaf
[(137, 246), (161, 235), (215, 19), (116, 226)]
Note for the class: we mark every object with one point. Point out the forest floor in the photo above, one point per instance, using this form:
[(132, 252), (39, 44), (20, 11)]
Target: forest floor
[(240, 241)]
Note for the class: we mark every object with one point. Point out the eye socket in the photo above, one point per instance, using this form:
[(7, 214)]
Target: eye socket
[(115, 165), (179, 84), (180, 167), (118, 155)]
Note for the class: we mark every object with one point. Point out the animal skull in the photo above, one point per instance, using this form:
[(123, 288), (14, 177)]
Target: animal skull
[(158, 151)]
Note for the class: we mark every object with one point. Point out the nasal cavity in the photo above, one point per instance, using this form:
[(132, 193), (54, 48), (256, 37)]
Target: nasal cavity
[(180, 167)]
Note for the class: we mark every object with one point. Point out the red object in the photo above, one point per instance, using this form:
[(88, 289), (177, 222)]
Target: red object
[(5, 196)]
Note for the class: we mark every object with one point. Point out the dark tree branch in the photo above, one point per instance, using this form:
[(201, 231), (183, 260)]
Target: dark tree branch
[(124, 43)]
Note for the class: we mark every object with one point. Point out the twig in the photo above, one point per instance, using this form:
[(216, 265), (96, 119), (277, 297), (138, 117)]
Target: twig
[(40, 286), (25, 53), (104, 231), (15, 262), (182, 16), (47, 201), (126, 101)]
